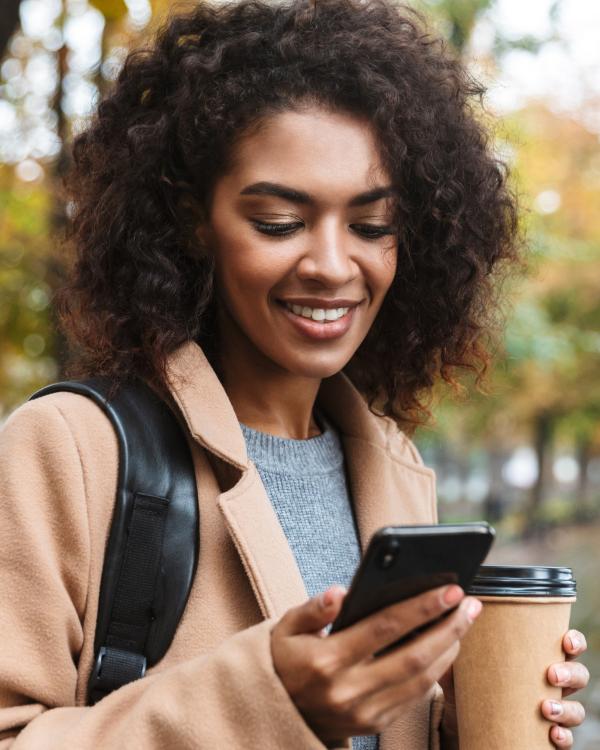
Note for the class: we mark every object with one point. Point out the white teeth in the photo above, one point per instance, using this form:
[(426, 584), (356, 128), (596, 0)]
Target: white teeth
[(318, 313)]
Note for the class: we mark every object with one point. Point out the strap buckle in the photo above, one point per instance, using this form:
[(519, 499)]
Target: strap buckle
[(114, 668)]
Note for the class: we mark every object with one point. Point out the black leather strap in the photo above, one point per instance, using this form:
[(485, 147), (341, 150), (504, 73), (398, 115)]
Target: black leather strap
[(152, 550)]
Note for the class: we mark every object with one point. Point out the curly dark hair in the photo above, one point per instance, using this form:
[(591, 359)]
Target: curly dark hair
[(144, 168)]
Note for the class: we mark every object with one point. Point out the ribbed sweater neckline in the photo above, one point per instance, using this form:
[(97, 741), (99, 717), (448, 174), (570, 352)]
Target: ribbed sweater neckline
[(316, 455)]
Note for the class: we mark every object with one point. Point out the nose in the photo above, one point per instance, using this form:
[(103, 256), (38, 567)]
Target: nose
[(328, 257)]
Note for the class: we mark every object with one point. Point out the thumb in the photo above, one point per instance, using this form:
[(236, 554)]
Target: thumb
[(314, 614)]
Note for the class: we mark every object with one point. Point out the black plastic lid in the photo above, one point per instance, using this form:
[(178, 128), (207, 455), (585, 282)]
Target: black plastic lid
[(523, 580)]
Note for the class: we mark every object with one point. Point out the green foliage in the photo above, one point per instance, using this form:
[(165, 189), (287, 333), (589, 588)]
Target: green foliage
[(458, 17), (26, 326)]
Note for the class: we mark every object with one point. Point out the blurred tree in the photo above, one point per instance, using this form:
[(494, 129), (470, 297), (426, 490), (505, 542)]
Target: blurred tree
[(557, 161), (9, 20), (545, 382), (26, 332), (56, 171), (457, 20), (458, 17), (32, 209), (114, 11)]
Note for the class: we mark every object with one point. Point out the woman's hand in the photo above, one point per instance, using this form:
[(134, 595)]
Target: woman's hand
[(449, 723), (335, 682), (571, 676)]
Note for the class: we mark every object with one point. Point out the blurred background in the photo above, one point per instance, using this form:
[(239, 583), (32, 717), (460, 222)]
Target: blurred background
[(526, 455)]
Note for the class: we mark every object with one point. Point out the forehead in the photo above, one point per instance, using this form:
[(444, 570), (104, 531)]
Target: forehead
[(325, 153)]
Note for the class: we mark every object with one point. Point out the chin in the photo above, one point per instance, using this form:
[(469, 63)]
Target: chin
[(314, 368)]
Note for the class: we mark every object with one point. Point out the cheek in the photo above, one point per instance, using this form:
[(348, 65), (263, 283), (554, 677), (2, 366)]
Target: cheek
[(391, 264), (246, 271), (383, 272)]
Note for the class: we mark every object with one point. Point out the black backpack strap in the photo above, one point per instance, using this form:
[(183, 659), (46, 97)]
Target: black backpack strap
[(152, 549)]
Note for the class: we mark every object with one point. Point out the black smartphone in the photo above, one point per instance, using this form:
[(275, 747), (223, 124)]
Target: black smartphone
[(404, 561)]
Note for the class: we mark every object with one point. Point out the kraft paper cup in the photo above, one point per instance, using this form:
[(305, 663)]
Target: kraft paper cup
[(500, 676)]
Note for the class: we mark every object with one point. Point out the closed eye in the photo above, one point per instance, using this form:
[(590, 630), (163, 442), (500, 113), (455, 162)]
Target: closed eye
[(280, 229), (277, 229), (373, 231)]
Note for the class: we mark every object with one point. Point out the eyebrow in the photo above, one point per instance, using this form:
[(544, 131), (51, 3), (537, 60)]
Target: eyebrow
[(299, 196)]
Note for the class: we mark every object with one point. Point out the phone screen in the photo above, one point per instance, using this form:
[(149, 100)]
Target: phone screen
[(404, 561)]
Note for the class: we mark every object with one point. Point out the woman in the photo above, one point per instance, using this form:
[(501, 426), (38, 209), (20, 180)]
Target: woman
[(289, 223)]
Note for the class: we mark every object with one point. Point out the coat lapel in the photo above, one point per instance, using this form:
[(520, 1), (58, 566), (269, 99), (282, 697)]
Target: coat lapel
[(386, 488), (249, 516), (262, 546), (385, 492)]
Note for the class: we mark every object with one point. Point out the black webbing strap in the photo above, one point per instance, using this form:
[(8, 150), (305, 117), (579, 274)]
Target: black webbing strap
[(122, 659), (132, 609)]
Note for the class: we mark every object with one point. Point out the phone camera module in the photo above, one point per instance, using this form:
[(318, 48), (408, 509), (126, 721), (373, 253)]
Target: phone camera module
[(388, 555)]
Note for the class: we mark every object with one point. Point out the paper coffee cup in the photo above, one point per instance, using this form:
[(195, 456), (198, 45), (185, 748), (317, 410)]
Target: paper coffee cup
[(500, 676)]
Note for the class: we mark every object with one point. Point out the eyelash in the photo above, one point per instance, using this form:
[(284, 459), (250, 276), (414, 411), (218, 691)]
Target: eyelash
[(281, 230)]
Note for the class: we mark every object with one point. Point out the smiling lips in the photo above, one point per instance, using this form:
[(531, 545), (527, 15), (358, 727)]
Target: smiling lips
[(319, 314), (321, 319)]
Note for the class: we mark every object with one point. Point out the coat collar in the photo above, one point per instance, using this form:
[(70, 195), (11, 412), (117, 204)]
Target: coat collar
[(212, 421), (205, 406)]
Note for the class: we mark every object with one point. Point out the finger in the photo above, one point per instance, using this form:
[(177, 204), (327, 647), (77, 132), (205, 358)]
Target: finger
[(314, 614), (561, 737), (417, 657), (571, 675), (386, 626), (574, 644), (567, 713), (383, 706)]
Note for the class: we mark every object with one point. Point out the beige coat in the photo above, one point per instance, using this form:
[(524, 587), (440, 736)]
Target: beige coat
[(216, 686)]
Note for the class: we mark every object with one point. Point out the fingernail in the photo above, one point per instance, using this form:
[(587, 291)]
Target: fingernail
[(561, 674), (575, 642), (473, 609), (560, 733), (327, 599), (452, 595), (555, 708)]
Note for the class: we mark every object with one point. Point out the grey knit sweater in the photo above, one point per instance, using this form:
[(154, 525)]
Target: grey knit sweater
[(306, 483)]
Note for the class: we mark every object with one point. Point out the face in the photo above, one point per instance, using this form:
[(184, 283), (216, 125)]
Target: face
[(305, 250)]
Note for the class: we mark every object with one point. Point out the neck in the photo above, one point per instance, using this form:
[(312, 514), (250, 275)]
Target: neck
[(264, 396)]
